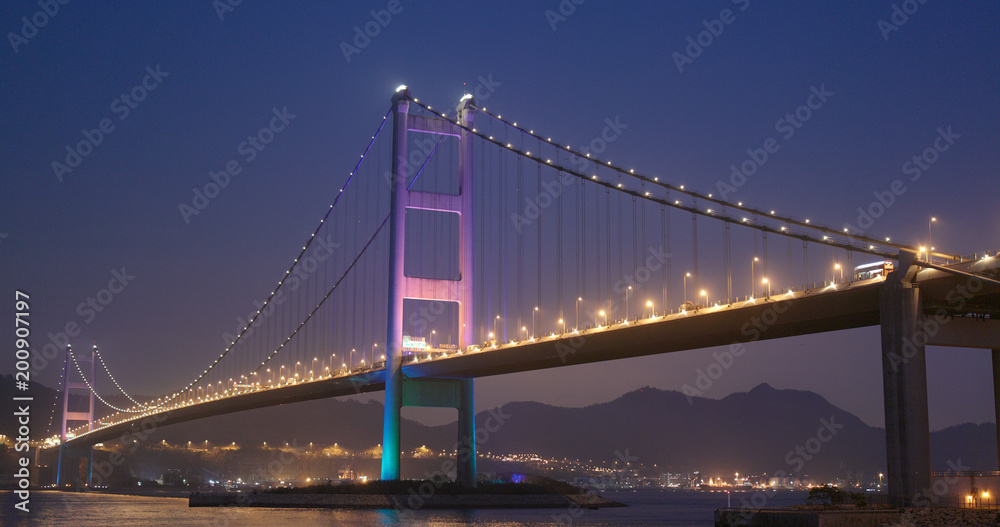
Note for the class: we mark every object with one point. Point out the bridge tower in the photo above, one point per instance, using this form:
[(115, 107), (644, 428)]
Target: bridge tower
[(67, 453), (904, 382), (400, 391)]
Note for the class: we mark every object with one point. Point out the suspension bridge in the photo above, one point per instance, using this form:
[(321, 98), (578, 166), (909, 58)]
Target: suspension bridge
[(464, 245)]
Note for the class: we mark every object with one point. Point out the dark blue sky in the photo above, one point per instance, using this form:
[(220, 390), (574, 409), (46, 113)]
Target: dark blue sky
[(222, 79)]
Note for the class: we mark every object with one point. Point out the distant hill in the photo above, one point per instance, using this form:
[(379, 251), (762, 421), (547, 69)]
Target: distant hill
[(753, 432)]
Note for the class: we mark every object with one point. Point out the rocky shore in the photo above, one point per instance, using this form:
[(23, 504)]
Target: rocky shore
[(910, 517), (924, 517), (397, 501)]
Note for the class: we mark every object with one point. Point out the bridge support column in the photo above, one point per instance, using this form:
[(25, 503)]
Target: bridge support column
[(904, 379), (397, 280), (400, 391), (996, 397), (465, 473), (68, 415)]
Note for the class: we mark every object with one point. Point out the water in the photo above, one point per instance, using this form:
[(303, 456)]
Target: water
[(646, 508)]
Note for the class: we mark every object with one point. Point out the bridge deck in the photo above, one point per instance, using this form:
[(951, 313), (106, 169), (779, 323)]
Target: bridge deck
[(810, 311)]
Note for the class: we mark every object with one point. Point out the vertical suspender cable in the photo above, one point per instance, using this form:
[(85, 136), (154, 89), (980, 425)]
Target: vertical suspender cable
[(538, 255), (763, 249), (694, 250), (581, 268), (363, 283), (805, 264), (826, 251), (501, 292), (597, 229), (354, 285), (635, 249), (483, 290), (520, 242), (788, 277), (755, 253), (607, 241), (378, 307), (560, 272), (726, 259), (642, 219), (665, 281), (621, 269)]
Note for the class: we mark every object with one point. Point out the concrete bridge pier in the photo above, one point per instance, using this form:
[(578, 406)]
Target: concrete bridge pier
[(904, 379), (65, 476), (465, 473)]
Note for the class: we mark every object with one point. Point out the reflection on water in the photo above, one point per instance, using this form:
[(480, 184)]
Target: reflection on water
[(646, 508)]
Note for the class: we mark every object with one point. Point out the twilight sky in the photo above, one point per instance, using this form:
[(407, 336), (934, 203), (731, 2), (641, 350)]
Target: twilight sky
[(894, 81)]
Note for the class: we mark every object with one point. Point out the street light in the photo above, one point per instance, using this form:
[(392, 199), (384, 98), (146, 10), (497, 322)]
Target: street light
[(352, 358), (705, 294), (524, 329), (767, 289), (841, 269), (930, 239), (375, 345), (563, 322), (605, 315), (753, 282), (495, 320), (626, 302), (686, 276), (880, 480), (578, 300), (433, 332), (649, 304), (533, 321)]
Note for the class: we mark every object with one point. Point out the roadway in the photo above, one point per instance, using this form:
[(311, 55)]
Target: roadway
[(829, 308)]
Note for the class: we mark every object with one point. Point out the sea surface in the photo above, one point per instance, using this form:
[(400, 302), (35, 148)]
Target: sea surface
[(645, 508)]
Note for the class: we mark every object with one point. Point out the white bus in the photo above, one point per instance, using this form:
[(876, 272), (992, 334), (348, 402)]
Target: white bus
[(879, 269)]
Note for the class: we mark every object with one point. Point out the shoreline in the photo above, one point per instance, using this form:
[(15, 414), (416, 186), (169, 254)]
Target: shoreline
[(158, 493), (403, 501)]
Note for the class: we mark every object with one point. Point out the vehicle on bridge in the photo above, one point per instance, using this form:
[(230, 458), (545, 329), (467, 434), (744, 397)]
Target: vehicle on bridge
[(879, 269)]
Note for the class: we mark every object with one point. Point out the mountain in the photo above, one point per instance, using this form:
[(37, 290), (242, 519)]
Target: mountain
[(764, 430), (754, 432)]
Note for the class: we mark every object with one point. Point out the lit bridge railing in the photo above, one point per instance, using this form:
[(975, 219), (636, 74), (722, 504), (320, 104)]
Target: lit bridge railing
[(606, 324)]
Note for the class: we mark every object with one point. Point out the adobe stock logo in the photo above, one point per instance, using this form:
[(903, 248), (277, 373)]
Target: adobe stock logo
[(30, 26), (915, 167), (122, 107), (899, 16), (566, 8), (787, 127), (249, 149), (225, 6)]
